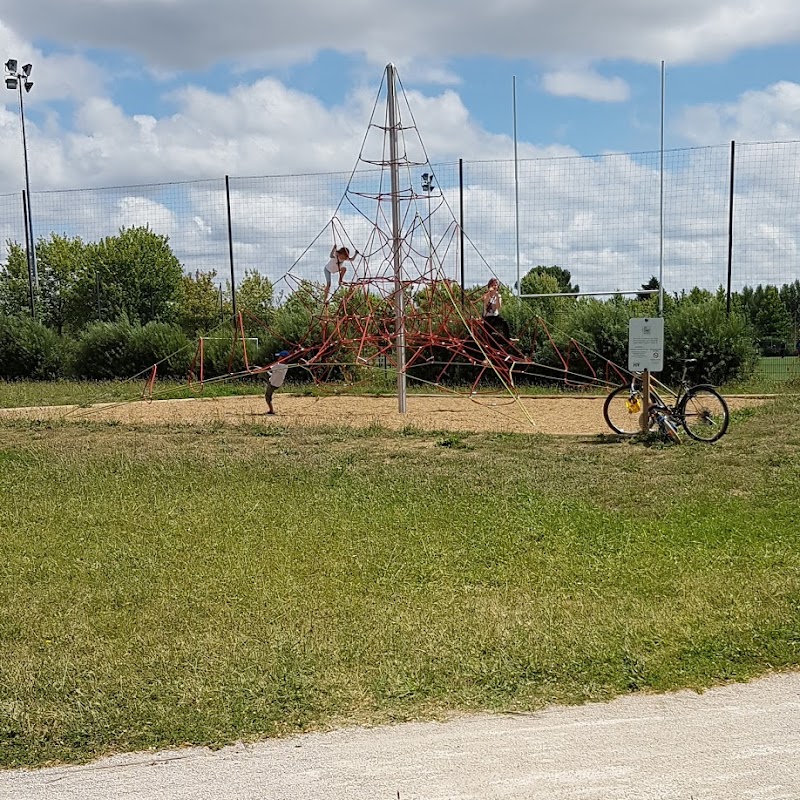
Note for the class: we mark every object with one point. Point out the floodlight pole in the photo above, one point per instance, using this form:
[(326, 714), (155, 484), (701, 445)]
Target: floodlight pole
[(34, 270), (661, 204), (399, 299), (516, 179), (16, 79)]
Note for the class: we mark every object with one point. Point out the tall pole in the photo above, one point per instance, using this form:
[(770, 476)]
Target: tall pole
[(29, 231), (461, 219), (31, 293), (399, 300), (427, 187), (430, 230), (516, 178), (661, 209), (730, 231), (230, 244)]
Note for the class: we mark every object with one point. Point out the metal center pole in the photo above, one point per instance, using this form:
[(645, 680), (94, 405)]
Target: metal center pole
[(661, 205), (399, 299), (516, 181)]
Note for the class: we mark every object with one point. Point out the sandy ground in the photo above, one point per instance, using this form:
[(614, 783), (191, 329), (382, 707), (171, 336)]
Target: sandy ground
[(739, 742), (563, 415)]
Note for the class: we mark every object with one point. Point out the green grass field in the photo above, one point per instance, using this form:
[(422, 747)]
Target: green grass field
[(163, 586), (778, 369)]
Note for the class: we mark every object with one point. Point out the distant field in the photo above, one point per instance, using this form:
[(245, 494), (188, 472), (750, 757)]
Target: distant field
[(779, 368)]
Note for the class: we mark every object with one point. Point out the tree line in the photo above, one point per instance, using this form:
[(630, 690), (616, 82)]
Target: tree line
[(114, 307)]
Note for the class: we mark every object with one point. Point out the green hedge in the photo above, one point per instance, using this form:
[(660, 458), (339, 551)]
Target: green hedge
[(107, 350), (723, 345), (28, 350)]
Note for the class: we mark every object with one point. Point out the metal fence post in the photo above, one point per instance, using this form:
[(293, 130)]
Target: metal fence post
[(730, 230)]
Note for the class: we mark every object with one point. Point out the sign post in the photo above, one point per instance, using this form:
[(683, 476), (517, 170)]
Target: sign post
[(646, 355)]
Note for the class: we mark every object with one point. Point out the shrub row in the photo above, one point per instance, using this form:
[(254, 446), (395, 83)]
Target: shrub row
[(724, 345)]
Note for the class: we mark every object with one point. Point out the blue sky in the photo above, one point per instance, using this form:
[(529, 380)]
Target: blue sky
[(148, 91)]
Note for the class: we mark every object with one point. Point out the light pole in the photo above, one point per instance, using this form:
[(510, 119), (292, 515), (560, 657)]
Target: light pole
[(427, 187), (17, 79)]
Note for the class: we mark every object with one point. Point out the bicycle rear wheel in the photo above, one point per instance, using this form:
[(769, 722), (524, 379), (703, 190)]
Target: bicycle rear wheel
[(704, 413), (622, 410)]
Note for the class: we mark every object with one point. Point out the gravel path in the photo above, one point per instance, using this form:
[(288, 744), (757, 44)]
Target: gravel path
[(738, 742)]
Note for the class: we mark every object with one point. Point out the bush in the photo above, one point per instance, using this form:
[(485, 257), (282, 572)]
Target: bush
[(156, 341), (28, 350), (101, 351), (602, 328), (723, 345), (107, 350)]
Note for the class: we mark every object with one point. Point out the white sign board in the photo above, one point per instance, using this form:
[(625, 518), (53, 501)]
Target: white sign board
[(646, 344)]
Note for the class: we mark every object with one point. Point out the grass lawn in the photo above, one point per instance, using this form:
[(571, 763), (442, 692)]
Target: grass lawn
[(776, 368), (161, 586), (15, 394)]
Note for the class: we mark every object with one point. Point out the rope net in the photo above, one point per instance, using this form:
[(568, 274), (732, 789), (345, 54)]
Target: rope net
[(345, 334)]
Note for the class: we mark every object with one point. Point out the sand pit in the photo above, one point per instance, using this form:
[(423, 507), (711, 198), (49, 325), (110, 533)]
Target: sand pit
[(562, 415)]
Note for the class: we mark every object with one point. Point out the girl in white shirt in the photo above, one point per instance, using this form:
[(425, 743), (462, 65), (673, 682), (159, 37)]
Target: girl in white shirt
[(336, 267)]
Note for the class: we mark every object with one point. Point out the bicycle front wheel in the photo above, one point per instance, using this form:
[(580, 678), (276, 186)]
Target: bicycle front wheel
[(622, 411), (704, 414)]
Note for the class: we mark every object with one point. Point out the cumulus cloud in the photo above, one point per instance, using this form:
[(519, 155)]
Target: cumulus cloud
[(772, 113), (256, 128), (56, 76), (586, 84), (199, 33), (597, 217)]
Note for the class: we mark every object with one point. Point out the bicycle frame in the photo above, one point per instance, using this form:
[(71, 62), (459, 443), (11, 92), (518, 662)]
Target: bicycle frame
[(656, 401)]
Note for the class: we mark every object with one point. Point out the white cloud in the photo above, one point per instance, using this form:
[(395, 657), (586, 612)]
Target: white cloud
[(259, 128), (772, 113), (56, 76), (598, 218), (199, 33), (586, 84)]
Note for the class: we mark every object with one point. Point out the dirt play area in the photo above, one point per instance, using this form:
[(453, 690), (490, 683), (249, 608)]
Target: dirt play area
[(580, 415)]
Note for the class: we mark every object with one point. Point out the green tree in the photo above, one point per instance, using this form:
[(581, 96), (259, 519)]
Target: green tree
[(255, 295), (652, 284), (28, 349), (722, 344), (790, 296), (14, 284), (769, 318), (202, 305), (61, 262), (139, 277), (563, 280), (545, 281)]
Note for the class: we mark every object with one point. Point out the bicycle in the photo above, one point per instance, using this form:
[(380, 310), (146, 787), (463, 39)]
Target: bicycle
[(700, 410)]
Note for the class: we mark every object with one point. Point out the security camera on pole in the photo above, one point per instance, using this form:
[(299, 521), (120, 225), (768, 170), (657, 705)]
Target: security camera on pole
[(427, 187)]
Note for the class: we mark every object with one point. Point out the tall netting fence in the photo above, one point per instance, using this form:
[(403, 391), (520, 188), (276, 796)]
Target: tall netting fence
[(614, 220)]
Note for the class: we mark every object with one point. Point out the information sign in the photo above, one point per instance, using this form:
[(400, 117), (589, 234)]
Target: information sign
[(646, 344)]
